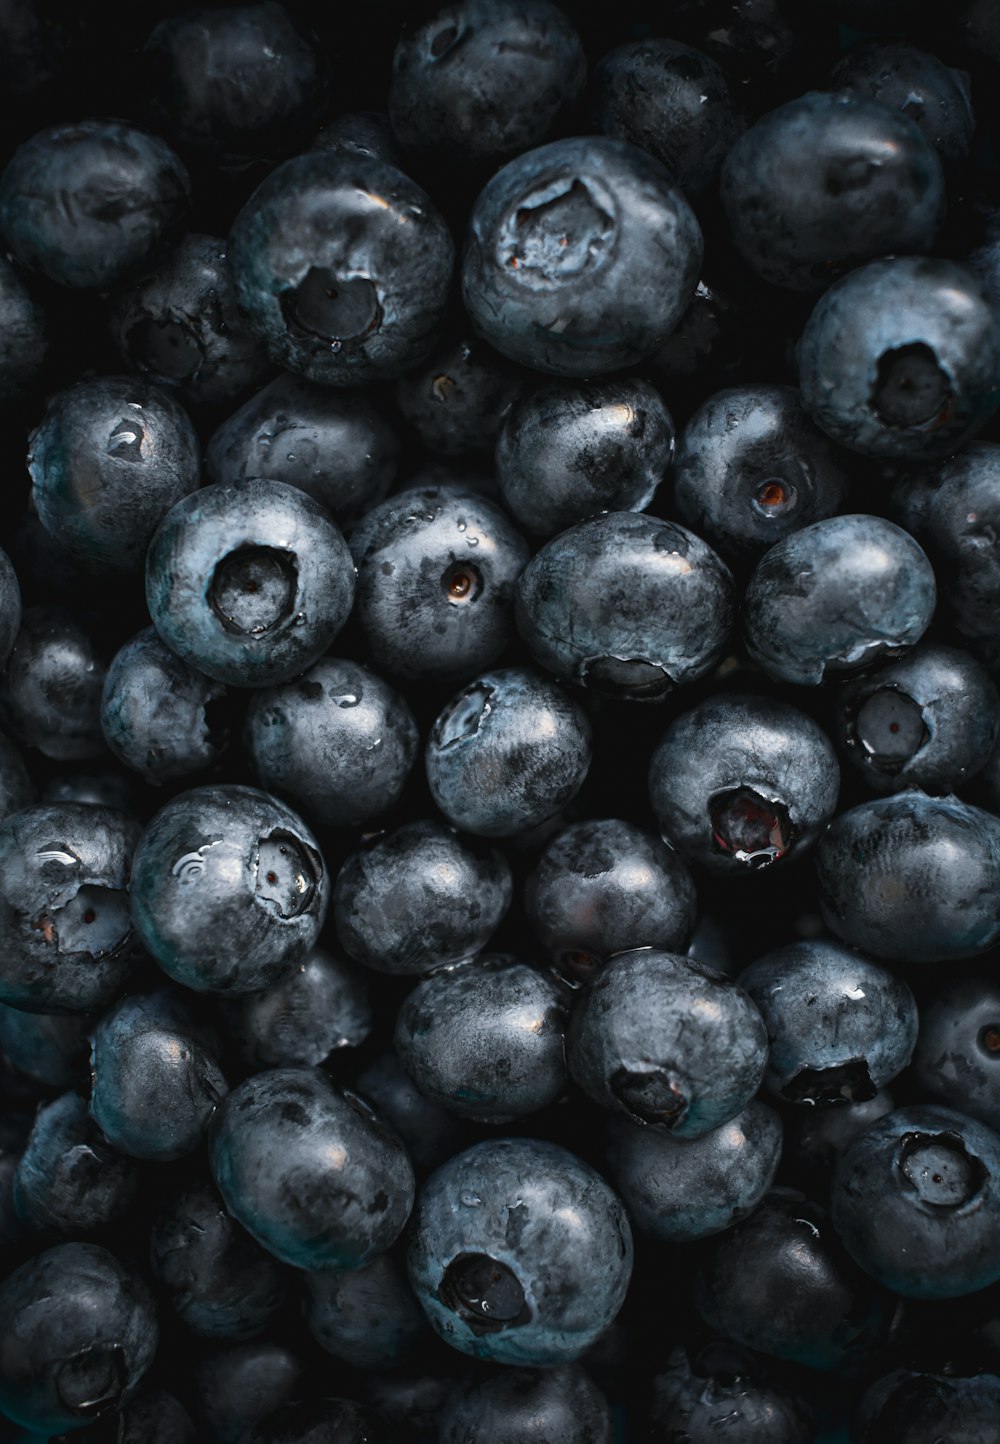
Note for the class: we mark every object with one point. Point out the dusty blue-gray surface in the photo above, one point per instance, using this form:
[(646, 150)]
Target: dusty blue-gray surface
[(626, 604), (229, 889), (311, 1171), (69, 1180), (580, 257), (549, 1220), (835, 597), (668, 1042), (65, 930)]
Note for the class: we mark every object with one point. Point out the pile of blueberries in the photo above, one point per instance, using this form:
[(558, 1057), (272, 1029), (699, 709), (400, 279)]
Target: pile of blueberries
[(500, 752)]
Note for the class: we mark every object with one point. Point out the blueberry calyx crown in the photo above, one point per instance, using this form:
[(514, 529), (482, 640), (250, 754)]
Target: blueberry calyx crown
[(940, 1170), (651, 1095), (485, 1294), (253, 590), (333, 309), (750, 828), (848, 1082)]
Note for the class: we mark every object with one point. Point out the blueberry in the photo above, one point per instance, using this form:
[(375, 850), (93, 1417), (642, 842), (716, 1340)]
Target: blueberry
[(719, 1381), (250, 583), (912, 878), (229, 889), (317, 1008), (337, 740), (780, 1282), (673, 102), (680, 1189), (367, 1317), (310, 1171), (934, 96), (603, 886), (179, 326), (929, 720), (839, 1026), (25, 335), (507, 753), (566, 451), (486, 1039), (668, 1042), (420, 898), (477, 81), (911, 1407), (218, 1282), (740, 782), (581, 257), (957, 1059), (10, 607), (160, 716), (342, 266), (953, 512), (90, 202), (51, 1048), (16, 787), (69, 1180), (109, 460), (528, 1406), (65, 931), (152, 1416), (751, 468), (341, 1420), (238, 1386), (105, 788), (51, 691), (519, 1252), (901, 359), (431, 1133), (916, 1200), (874, 184), (78, 1332), (155, 1079), (835, 597), (458, 399), (234, 84), (341, 449), (626, 604), (436, 573)]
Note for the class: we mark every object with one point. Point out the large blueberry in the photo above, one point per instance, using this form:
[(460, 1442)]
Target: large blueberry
[(839, 1027), (603, 886), (519, 1252), (155, 1079), (781, 1283), (249, 582), (160, 716), (457, 400), (179, 326), (916, 1200), (929, 720), (901, 359), (668, 1042), (420, 898), (65, 931), (51, 1048), (476, 82), (69, 1180), (90, 202), (741, 782), (581, 257), (339, 448), (913, 1406), (566, 451), (680, 1189), (229, 889), (626, 604), (507, 753), (912, 878), (436, 573), (719, 1381), (77, 1333), (342, 266), (873, 185), (316, 1009), (751, 467), (310, 1171), (836, 597), (486, 1039), (338, 740)]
